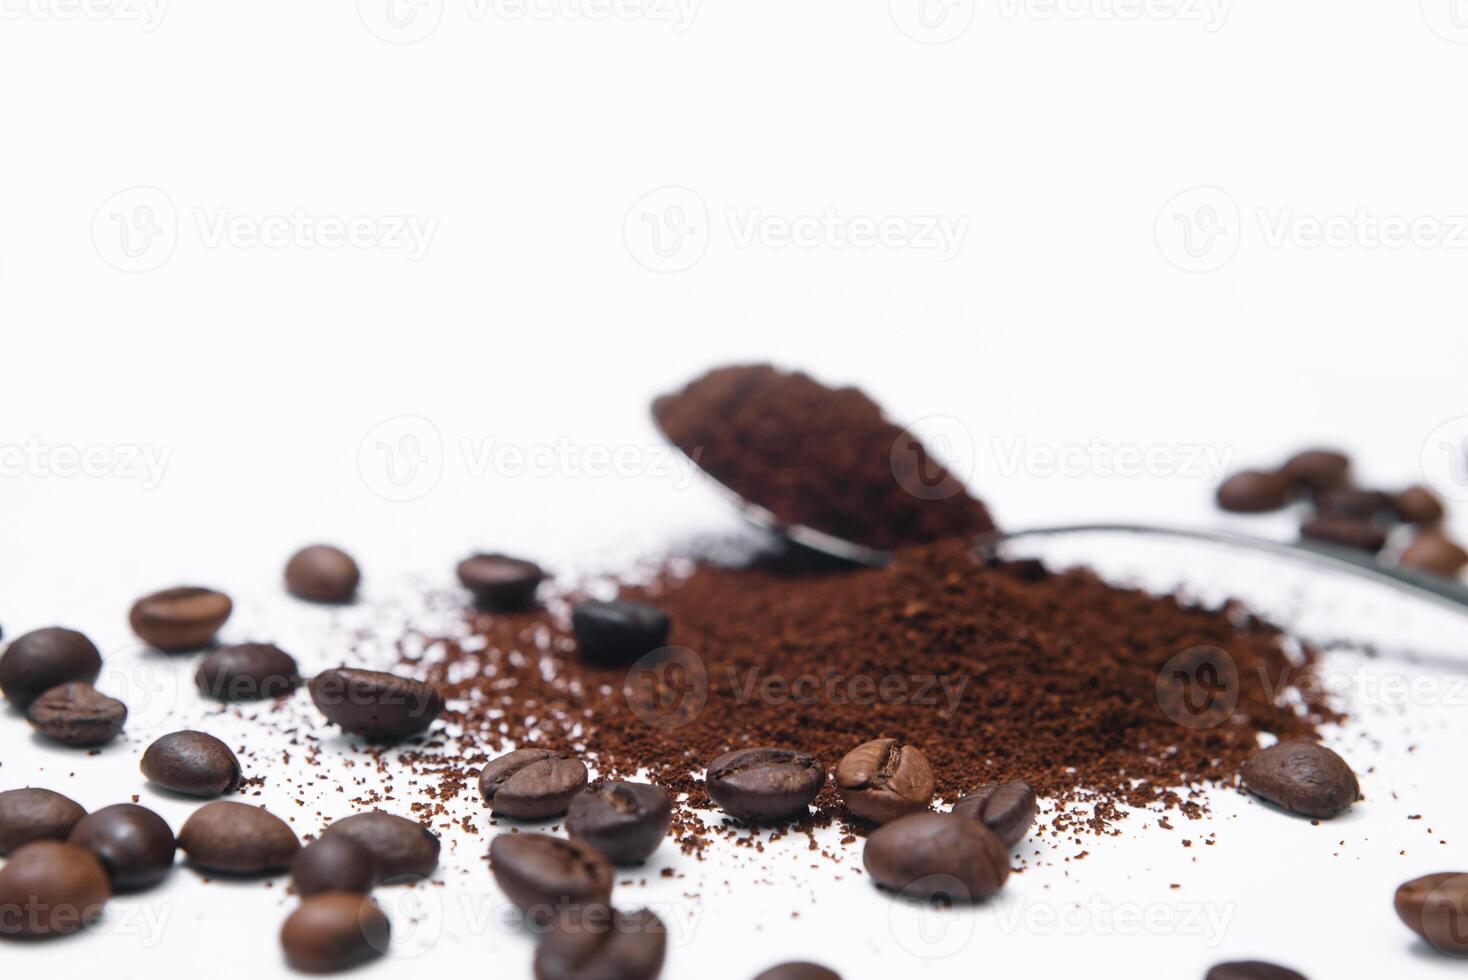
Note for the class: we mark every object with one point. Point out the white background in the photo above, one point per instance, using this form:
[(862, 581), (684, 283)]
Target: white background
[(1091, 302)]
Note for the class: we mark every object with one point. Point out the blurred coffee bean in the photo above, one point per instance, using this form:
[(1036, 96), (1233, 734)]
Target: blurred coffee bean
[(531, 784), (1348, 532), (48, 888), (1318, 469), (401, 849), (42, 659), (545, 875), (1254, 492), (1419, 505), (133, 843), (183, 618), (1435, 907), (1008, 809), (35, 814), (625, 821), (798, 971), (617, 633), (322, 573), (1434, 552), (883, 779), (238, 839), (501, 583), (602, 944), (1353, 502), (333, 864), (1301, 776), (334, 931), (77, 714), (247, 672), (375, 705), (1252, 970), (764, 783), (932, 855), (192, 763)]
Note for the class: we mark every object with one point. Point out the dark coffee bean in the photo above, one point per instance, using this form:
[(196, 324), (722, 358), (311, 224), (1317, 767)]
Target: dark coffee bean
[(1302, 776), (764, 783), (77, 714), (35, 814), (42, 659), (544, 876), (1436, 908), (237, 838), (133, 843), (183, 618), (1353, 502), (798, 971), (931, 855), (501, 583), (375, 705), (602, 944), (531, 784), (322, 573), (1435, 553), (617, 633), (247, 672), (48, 888), (333, 864), (625, 821), (1318, 469), (1008, 809), (334, 931), (401, 849), (192, 763), (1348, 532), (1419, 505), (1252, 970), (1254, 492), (883, 779)]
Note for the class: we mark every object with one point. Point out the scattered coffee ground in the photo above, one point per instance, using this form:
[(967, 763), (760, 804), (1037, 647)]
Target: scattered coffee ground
[(823, 457)]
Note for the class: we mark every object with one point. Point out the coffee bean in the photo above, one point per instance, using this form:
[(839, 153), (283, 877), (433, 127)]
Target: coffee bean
[(1419, 505), (192, 763), (322, 573), (1317, 469), (1302, 776), (1008, 809), (401, 849), (35, 814), (48, 888), (1435, 553), (247, 672), (77, 714), (184, 618), (133, 843), (375, 705), (238, 839), (545, 875), (625, 821), (531, 784), (602, 944), (1254, 492), (501, 583), (1348, 532), (1252, 970), (617, 633), (798, 971), (1435, 907), (932, 855), (883, 779), (334, 931), (764, 783), (1354, 502), (333, 864), (42, 659)]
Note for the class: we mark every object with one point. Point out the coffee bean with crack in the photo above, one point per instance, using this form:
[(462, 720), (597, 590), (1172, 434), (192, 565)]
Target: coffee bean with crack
[(547, 876), (192, 763), (77, 714), (625, 821), (532, 784), (599, 943), (378, 706), (1008, 809), (883, 779), (764, 783), (1303, 777), (182, 618)]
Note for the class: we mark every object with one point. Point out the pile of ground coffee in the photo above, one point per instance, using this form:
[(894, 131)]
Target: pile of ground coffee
[(818, 456)]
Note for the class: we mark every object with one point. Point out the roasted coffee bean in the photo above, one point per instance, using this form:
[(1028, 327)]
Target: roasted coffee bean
[(42, 659), (1252, 970), (378, 706), (333, 864), (602, 944), (77, 714), (1354, 502), (35, 814), (1318, 469), (48, 888), (192, 763), (544, 876), (1436, 908), (1349, 532), (932, 855), (798, 971), (625, 821), (247, 672), (183, 618), (334, 931), (1008, 809), (238, 839), (764, 783), (1254, 492), (1435, 553), (883, 779), (1419, 505), (133, 843), (401, 849), (322, 573), (1301, 776), (501, 583), (617, 633), (531, 784)]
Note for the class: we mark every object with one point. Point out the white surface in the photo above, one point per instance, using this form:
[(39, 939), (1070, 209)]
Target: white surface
[(1065, 148)]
